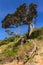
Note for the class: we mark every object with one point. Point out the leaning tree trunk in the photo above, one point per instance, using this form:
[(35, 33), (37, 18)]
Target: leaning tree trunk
[(31, 27), (28, 29)]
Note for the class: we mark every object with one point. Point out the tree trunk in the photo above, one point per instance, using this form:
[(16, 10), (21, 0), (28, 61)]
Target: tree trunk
[(31, 27), (28, 29)]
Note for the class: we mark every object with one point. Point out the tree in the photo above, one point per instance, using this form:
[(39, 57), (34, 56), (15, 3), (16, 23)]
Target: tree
[(23, 15)]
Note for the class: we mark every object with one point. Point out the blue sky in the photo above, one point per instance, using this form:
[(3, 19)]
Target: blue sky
[(9, 6)]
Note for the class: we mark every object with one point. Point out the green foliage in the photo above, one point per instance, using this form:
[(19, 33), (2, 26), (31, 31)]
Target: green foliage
[(11, 39), (8, 40), (10, 52), (23, 15), (37, 33), (3, 42), (14, 48)]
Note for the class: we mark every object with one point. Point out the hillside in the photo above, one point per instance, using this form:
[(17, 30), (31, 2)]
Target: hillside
[(29, 53)]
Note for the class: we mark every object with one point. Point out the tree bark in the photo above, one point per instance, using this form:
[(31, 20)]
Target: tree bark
[(28, 29)]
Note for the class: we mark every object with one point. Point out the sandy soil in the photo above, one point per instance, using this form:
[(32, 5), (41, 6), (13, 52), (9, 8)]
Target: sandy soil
[(37, 60)]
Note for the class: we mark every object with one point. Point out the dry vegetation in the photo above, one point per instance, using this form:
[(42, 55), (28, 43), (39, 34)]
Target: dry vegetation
[(13, 49)]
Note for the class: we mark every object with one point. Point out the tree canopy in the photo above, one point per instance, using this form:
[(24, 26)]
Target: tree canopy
[(23, 15)]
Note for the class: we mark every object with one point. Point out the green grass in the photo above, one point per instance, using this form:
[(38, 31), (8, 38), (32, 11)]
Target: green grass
[(12, 47), (11, 52), (37, 34), (8, 40)]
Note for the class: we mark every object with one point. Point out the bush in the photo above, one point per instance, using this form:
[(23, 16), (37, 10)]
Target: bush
[(11, 39), (7, 40)]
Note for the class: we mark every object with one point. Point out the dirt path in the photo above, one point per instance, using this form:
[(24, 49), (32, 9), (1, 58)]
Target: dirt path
[(14, 63), (38, 59)]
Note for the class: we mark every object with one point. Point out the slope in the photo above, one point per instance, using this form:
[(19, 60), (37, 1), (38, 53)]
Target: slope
[(13, 50)]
